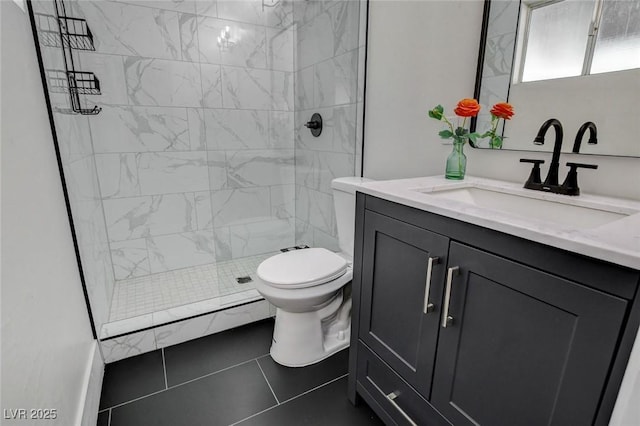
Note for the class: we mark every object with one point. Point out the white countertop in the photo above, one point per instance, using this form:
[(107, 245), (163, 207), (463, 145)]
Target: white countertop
[(617, 242)]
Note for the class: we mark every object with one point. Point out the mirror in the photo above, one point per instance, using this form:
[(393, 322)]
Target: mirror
[(574, 60)]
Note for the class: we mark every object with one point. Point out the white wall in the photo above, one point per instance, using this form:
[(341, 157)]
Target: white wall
[(47, 346), (425, 53)]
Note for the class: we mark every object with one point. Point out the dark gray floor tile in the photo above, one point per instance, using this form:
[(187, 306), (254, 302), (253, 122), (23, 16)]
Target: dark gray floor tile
[(103, 419), (288, 382), (218, 399), (209, 354), (322, 407), (132, 378)]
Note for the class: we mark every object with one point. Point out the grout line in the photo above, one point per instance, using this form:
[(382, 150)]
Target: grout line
[(184, 383), (164, 367), (267, 380), (109, 422), (290, 399)]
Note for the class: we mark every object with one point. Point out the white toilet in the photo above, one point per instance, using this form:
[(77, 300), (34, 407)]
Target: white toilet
[(313, 319)]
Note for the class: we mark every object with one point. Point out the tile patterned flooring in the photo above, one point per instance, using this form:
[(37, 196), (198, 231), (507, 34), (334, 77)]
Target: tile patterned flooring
[(228, 379), (156, 292)]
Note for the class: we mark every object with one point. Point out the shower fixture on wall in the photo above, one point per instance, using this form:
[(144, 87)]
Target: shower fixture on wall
[(315, 124)]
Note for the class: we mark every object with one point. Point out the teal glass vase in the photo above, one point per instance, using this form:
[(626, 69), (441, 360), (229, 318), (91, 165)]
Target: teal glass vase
[(456, 162)]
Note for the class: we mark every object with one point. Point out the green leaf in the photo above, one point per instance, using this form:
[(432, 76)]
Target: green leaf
[(436, 112), (461, 131), (445, 134), (473, 136)]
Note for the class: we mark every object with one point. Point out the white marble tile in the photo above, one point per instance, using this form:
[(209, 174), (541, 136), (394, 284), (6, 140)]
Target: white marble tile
[(207, 8), (138, 217), (247, 48), (280, 16), (197, 130), (81, 180), (261, 237), (336, 80), (163, 83), (222, 242), (115, 328), (240, 206), (164, 172), (163, 317), (245, 88), (229, 129), (324, 240), (98, 273), (283, 201), (315, 208), (118, 175), (503, 18), (186, 6), (131, 30), (128, 346), (211, 86), (304, 80), (203, 210), (140, 129), (189, 37), (499, 56), (315, 41), (303, 232), (241, 11), (168, 252), (316, 169), (259, 168), (130, 258), (281, 129), (344, 23), (109, 69), (208, 324), (305, 11), (217, 161), (74, 136), (281, 49)]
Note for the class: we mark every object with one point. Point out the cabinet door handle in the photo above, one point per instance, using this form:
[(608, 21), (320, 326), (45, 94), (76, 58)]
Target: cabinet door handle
[(391, 397), (446, 319), (429, 307)]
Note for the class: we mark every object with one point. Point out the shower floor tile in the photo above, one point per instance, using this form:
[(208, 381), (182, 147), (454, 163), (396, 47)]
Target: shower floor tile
[(138, 296)]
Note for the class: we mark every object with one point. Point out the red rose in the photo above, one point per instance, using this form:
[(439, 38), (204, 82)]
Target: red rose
[(502, 110), (467, 108)]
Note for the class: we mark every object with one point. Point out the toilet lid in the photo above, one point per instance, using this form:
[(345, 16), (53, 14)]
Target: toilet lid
[(302, 268)]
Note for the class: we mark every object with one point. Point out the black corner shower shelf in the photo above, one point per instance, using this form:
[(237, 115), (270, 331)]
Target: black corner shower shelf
[(64, 31), (80, 82)]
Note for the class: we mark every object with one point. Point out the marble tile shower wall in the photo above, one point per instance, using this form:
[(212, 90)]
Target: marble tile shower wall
[(194, 147), (329, 76), (496, 72), (78, 162)]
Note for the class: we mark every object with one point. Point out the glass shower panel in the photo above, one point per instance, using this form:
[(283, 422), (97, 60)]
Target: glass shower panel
[(198, 165)]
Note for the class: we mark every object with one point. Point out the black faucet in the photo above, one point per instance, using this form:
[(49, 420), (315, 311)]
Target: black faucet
[(593, 135), (570, 185), (552, 174)]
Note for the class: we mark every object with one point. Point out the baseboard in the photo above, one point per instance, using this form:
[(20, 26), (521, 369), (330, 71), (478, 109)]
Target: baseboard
[(92, 388)]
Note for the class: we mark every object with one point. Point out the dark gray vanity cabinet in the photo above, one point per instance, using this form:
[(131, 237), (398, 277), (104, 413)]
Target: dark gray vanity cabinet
[(400, 316), (506, 334)]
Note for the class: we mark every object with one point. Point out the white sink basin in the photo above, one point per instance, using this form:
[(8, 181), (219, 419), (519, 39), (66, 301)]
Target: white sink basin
[(526, 205)]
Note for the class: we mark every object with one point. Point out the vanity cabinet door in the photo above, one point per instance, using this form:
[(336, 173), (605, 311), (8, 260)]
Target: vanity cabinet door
[(393, 320), (523, 347)]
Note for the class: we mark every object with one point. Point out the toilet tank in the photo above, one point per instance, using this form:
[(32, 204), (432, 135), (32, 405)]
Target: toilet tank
[(344, 203)]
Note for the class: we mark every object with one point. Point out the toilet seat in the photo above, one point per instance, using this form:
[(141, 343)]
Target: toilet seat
[(298, 269)]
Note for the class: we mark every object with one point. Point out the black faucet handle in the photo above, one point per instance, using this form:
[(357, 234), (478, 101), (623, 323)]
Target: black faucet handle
[(582, 166), (534, 181), (570, 185)]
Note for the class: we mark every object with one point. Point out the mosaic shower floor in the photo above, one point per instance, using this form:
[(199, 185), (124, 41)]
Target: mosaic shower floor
[(156, 299)]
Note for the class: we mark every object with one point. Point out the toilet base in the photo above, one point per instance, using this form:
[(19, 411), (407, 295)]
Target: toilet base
[(301, 339)]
